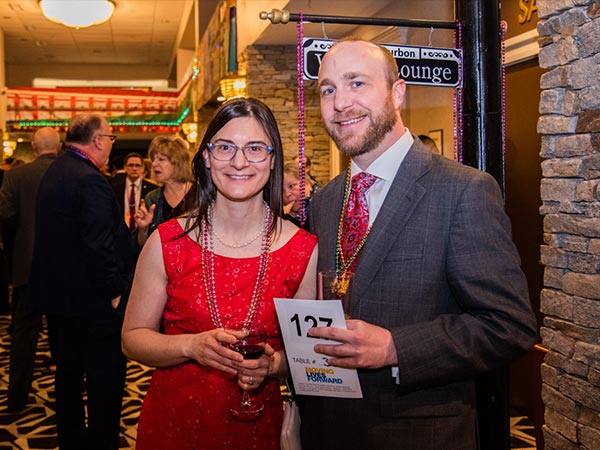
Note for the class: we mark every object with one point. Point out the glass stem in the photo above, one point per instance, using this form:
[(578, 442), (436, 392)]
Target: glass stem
[(246, 399)]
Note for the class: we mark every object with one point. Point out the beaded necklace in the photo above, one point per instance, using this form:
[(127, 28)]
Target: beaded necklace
[(342, 279), (245, 244), (208, 268), (457, 110), (301, 147), (80, 152)]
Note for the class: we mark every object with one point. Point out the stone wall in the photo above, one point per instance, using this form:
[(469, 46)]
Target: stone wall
[(272, 78), (570, 127)]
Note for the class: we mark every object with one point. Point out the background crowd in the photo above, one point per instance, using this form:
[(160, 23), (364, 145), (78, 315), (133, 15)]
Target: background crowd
[(436, 294)]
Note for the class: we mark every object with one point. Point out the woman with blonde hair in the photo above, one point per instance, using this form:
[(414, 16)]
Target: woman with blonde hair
[(170, 167), (291, 193)]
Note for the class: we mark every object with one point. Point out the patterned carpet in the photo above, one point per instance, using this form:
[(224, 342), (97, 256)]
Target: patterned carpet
[(522, 433), (35, 427)]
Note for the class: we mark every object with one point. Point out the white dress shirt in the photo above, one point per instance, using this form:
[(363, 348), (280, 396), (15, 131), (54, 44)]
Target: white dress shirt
[(384, 168)]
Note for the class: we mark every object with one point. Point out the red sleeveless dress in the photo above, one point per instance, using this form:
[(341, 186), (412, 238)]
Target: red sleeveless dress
[(187, 406)]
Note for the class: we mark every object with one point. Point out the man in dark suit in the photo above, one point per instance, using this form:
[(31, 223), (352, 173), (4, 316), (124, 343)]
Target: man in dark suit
[(17, 207), (81, 274), (134, 176), (437, 295)]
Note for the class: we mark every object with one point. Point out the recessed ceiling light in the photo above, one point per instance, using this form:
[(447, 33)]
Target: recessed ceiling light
[(78, 14)]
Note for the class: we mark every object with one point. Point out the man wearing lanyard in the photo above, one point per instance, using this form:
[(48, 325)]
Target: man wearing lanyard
[(81, 275)]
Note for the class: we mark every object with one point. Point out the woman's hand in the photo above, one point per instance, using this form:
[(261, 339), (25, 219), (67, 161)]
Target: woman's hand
[(212, 349), (143, 217), (252, 372)]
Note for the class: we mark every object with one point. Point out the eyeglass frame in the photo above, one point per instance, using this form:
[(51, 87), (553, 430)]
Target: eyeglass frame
[(211, 146), (112, 137)]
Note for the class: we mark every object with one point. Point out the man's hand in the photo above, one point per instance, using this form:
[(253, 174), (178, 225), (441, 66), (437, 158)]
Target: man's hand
[(362, 345)]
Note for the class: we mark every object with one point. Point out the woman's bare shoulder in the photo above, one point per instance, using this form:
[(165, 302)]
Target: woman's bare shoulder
[(285, 232)]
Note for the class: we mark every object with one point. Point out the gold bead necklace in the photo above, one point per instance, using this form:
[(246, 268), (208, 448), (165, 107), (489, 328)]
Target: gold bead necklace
[(341, 264)]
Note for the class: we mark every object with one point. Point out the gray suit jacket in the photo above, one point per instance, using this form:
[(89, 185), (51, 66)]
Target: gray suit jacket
[(17, 207), (440, 271)]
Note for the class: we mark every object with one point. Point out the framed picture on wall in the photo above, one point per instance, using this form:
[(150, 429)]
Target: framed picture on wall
[(438, 138)]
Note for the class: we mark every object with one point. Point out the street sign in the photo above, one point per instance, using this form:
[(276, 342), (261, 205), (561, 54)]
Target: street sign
[(425, 66)]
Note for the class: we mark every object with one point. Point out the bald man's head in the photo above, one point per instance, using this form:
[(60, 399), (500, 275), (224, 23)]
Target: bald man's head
[(46, 140)]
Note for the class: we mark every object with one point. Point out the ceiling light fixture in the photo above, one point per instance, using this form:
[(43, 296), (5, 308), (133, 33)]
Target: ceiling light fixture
[(190, 130), (8, 148), (79, 14), (233, 86)]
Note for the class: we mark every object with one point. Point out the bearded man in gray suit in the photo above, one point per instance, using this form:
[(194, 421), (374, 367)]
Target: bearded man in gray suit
[(437, 296)]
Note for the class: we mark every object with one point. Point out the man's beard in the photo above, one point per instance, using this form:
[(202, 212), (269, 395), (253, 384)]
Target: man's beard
[(380, 126)]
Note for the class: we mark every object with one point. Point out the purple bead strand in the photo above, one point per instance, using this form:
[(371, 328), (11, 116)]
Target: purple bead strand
[(301, 153)]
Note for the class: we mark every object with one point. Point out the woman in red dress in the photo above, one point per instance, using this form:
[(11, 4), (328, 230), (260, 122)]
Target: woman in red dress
[(225, 261)]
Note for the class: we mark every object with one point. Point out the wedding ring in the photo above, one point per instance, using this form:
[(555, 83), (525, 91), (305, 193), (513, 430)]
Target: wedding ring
[(251, 381)]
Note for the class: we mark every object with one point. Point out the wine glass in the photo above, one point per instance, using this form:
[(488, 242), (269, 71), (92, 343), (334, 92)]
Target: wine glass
[(251, 346), (336, 286)]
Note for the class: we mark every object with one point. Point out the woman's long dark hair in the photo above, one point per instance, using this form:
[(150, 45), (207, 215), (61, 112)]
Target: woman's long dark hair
[(203, 191)]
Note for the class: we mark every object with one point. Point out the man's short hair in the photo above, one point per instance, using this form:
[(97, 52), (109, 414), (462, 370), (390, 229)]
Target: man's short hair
[(46, 139), (391, 66), (133, 155), (82, 128)]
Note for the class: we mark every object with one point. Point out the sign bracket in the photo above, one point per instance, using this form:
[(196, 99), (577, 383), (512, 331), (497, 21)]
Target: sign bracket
[(283, 16)]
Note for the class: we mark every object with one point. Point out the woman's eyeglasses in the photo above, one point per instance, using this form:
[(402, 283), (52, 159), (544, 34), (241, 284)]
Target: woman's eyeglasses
[(254, 153)]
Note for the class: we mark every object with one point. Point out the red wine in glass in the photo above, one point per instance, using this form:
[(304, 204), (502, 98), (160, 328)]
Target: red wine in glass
[(250, 351), (251, 346)]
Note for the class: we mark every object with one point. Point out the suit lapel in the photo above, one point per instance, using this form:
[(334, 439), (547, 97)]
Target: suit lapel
[(401, 201), (146, 187), (331, 199), (121, 196)]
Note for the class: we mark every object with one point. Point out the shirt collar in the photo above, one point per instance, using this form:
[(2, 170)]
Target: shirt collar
[(136, 182), (388, 163)]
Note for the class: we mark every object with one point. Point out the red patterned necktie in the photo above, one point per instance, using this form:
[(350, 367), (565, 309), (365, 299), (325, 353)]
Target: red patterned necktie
[(132, 208), (356, 220)]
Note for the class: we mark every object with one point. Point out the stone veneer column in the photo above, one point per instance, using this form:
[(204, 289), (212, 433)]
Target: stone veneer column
[(570, 125), (272, 78)]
